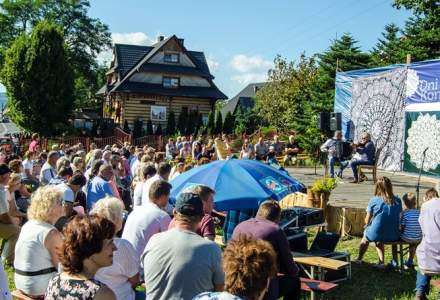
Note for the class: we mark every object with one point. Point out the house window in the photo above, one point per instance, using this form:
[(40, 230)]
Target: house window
[(170, 82), (171, 58)]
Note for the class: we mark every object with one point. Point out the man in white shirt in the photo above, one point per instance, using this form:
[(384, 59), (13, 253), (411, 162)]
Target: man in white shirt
[(48, 171), (180, 264), (148, 219), (163, 173)]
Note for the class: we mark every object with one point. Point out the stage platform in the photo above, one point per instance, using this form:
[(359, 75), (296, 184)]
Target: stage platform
[(347, 204), (352, 195)]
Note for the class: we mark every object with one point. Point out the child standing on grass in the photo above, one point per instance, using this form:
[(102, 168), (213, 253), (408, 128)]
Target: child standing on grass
[(410, 229)]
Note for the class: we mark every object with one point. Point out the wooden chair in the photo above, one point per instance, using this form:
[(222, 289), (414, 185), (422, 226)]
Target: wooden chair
[(372, 168)]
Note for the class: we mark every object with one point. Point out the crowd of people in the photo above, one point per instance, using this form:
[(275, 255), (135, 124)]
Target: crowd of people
[(98, 224)]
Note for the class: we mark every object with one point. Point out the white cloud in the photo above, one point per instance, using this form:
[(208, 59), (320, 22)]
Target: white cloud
[(212, 63), (132, 38), (247, 78), (243, 63), (250, 68)]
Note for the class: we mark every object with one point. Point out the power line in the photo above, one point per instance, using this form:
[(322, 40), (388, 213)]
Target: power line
[(309, 38)]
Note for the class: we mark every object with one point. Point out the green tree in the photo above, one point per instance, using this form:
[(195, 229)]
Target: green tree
[(210, 126), (39, 81), (247, 121), (218, 123), (86, 37), (388, 49), (182, 121), (421, 34), (159, 130), (344, 54), (199, 124), (137, 128), (126, 127), (171, 123), (228, 125), (149, 130)]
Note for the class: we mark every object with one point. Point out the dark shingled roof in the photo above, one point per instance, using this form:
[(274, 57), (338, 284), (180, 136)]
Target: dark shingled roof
[(244, 99), (129, 55), (182, 91), (175, 69)]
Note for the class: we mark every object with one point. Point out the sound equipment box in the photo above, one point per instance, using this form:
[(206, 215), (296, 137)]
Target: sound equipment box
[(297, 217), (335, 121), (324, 121)]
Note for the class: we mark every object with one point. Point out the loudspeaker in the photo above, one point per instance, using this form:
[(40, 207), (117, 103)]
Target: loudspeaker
[(324, 241), (335, 121), (324, 121)]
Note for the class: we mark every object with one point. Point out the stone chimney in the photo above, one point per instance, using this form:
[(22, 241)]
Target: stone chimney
[(160, 38)]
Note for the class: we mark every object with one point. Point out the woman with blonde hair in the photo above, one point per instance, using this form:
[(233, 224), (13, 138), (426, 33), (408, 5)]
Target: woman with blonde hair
[(36, 251), (123, 275), (382, 220)]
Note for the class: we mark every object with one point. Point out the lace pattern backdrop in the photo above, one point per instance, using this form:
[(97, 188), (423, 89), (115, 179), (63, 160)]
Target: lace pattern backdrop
[(378, 108)]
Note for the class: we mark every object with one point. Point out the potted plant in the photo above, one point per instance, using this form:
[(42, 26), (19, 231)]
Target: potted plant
[(321, 189)]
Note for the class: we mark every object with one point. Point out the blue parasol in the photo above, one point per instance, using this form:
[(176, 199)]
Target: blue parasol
[(238, 184)]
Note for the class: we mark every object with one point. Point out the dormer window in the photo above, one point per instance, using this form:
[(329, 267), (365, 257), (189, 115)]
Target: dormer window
[(170, 57), (170, 82)]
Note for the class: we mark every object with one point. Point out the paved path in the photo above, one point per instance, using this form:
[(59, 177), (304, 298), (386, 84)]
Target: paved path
[(357, 195)]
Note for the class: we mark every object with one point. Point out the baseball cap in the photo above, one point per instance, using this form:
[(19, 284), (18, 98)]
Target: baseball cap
[(4, 169), (189, 204)]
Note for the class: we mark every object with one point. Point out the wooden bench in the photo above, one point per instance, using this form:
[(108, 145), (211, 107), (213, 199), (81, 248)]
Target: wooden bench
[(402, 249), (316, 286), (318, 265), (18, 295)]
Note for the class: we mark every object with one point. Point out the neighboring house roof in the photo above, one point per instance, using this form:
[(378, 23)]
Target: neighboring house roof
[(132, 59), (182, 91), (244, 99)]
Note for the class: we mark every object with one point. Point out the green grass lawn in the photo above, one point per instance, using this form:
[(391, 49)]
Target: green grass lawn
[(367, 281)]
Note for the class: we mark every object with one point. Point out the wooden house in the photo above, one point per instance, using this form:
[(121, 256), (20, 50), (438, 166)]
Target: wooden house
[(147, 82)]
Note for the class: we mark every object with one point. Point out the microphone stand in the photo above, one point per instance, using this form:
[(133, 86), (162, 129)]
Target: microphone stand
[(420, 175)]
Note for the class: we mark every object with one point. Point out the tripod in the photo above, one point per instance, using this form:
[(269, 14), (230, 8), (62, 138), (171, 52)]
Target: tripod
[(420, 175)]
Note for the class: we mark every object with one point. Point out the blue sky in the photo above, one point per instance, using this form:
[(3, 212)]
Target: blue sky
[(240, 38)]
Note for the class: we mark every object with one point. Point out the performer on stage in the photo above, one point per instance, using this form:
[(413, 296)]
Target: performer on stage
[(366, 155), (334, 148)]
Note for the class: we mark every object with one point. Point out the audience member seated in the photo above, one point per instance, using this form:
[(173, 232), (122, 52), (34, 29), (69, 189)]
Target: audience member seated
[(277, 145), (87, 246), (334, 149), (410, 230), (99, 187), (147, 171), (36, 254), (8, 230), (163, 173), (247, 150), (261, 149), (186, 152), (382, 220), (249, 265), (366, 156), (178, 263), (48, 170), (428, 252), (171, 150), (265, 227), (14, 185), (222, 149), (149, 218), (233, 218), (123, 275), (206, 227), (177, 170), (291, 151)]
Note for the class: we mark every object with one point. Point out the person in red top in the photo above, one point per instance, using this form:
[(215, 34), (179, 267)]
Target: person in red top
[(265, 227), (207, 227), (34, 146)]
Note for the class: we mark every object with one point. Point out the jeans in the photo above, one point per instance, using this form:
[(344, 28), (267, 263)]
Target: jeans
[(342, 165), (355, 163), (422, 283)]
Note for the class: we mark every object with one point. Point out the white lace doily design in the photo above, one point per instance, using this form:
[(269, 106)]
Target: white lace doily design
[(424, 133), (412, 82), (378, 108)]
